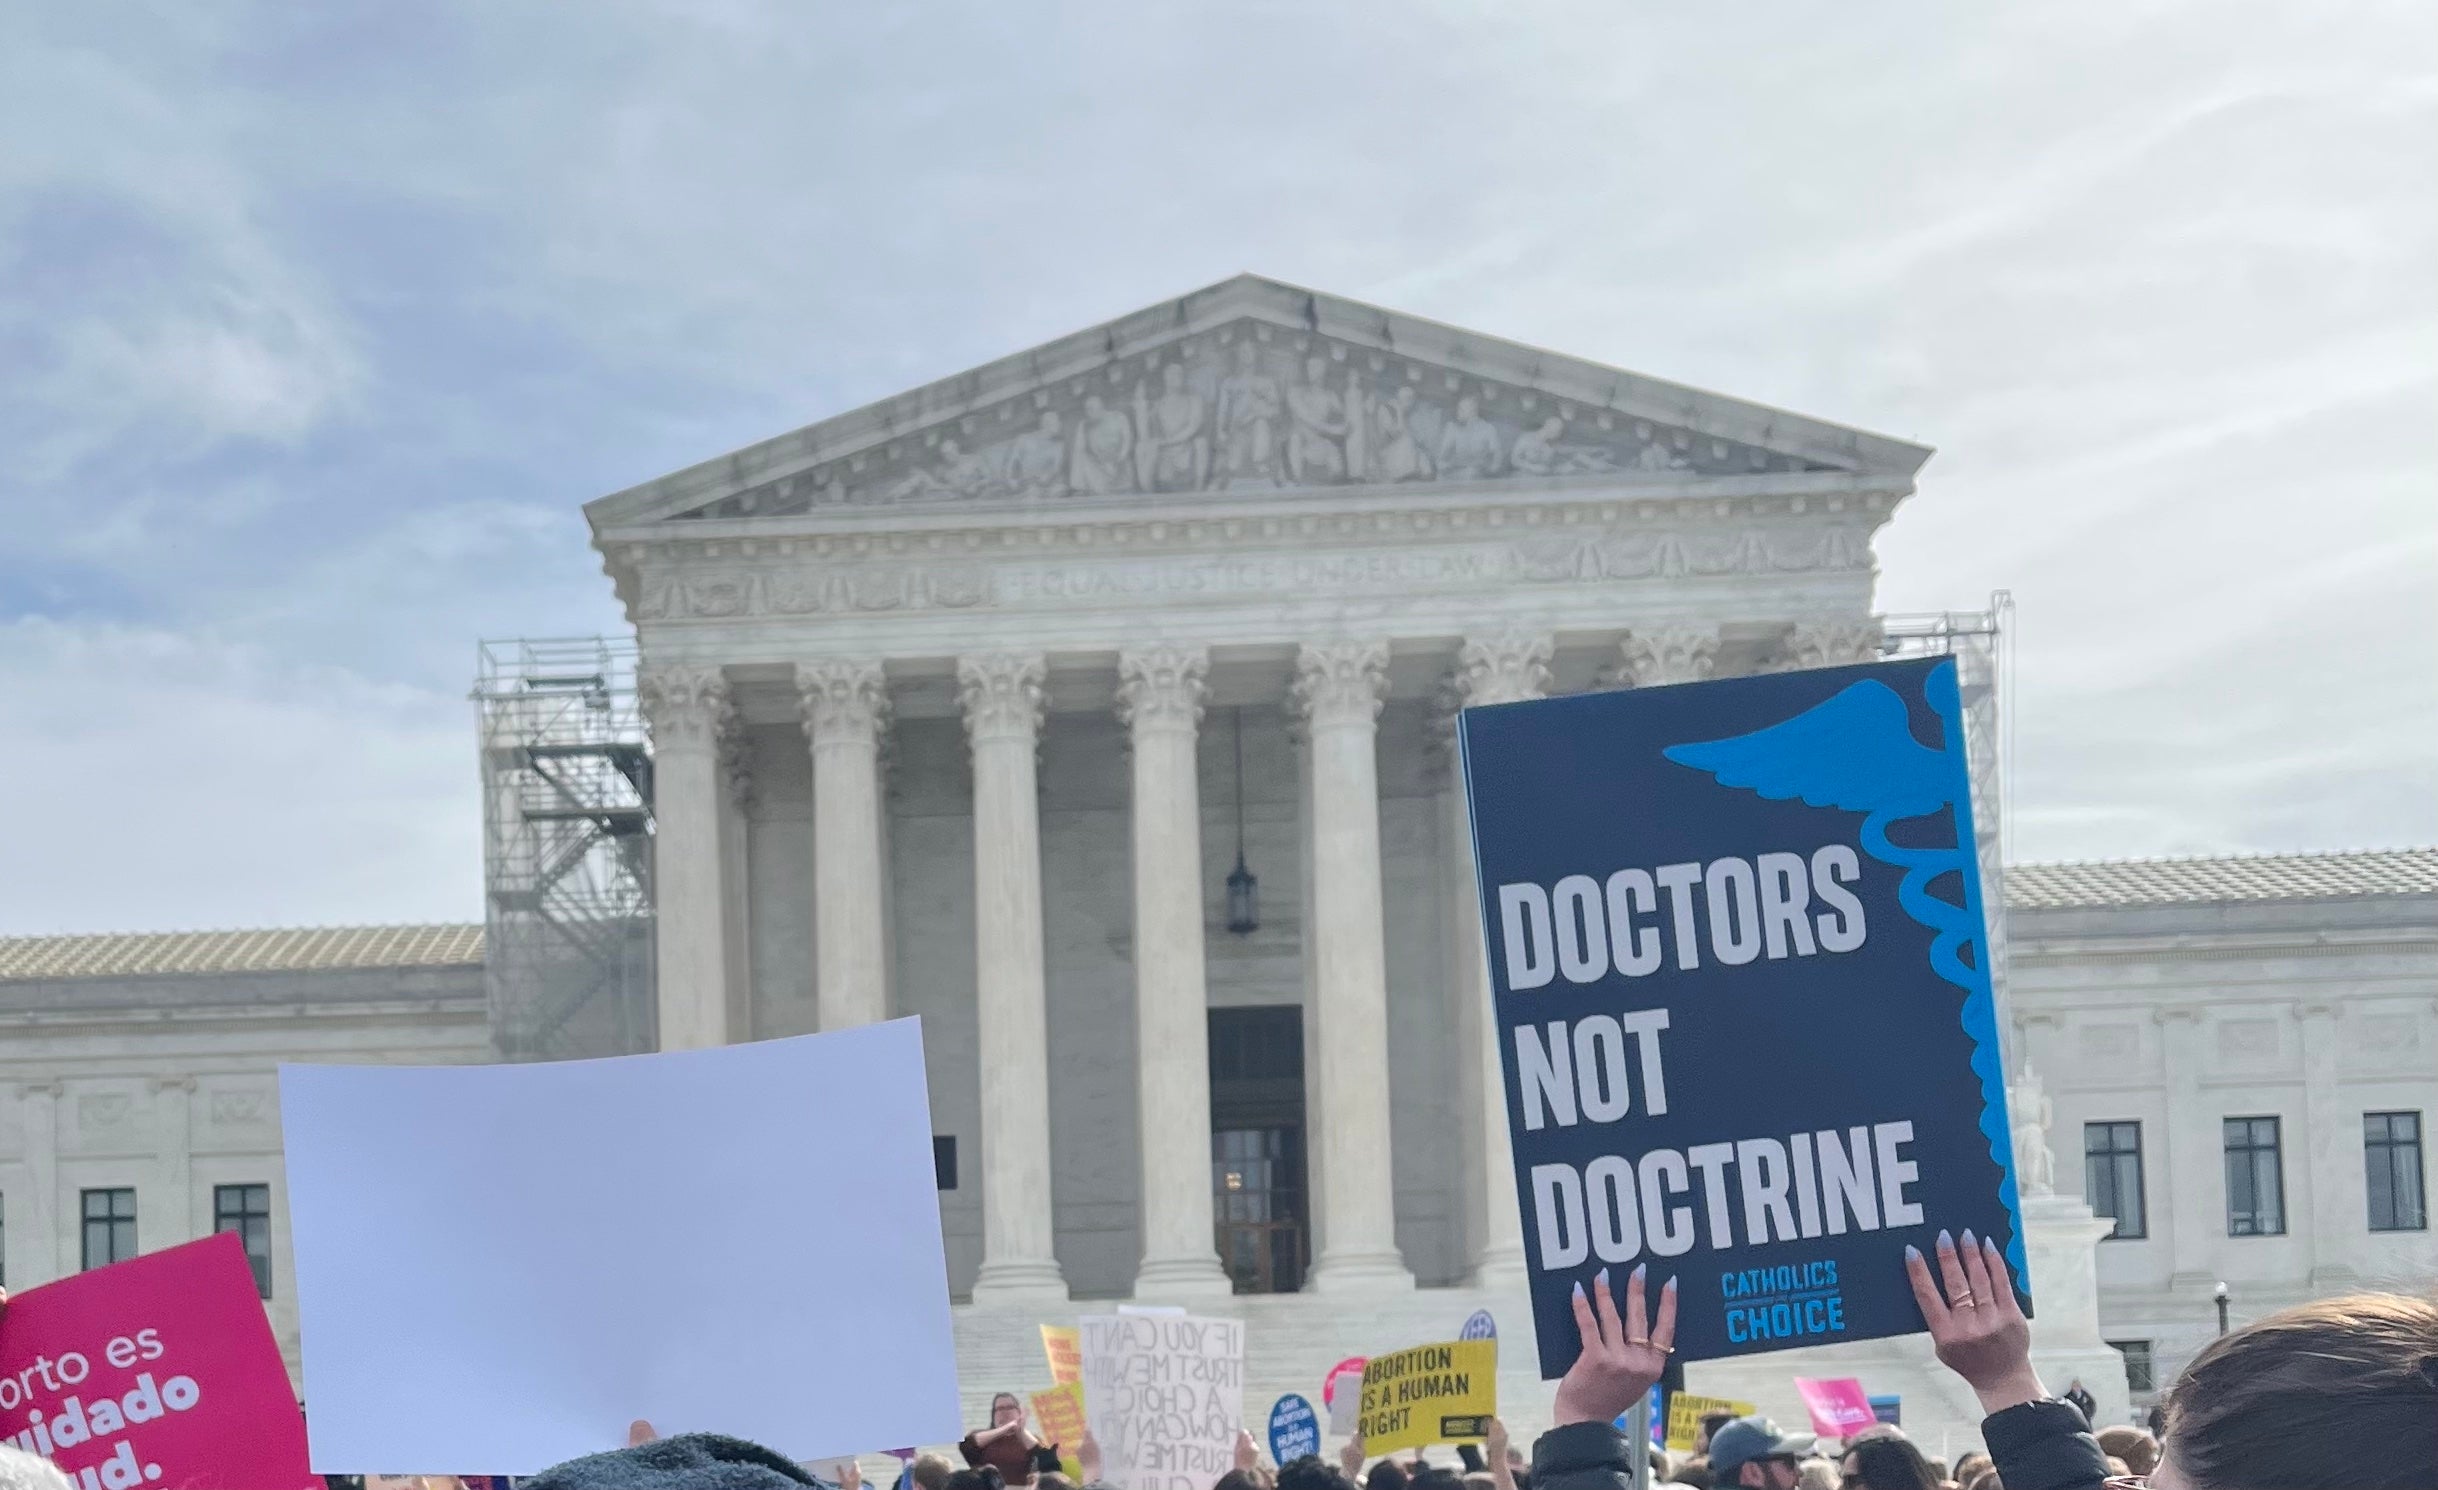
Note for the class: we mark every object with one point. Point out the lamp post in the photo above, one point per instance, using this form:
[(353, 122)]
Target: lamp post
[(2221, 1308)]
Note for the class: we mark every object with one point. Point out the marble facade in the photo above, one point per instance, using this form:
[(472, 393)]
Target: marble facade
[(967, 646)]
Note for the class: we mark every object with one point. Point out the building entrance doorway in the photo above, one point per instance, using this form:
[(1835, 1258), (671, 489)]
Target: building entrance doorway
[(1257, 1146)]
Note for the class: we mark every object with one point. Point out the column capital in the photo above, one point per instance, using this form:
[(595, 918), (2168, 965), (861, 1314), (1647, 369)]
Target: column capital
[(685, 705), (1161, 688), (2175, 1015), (1832, 641), (736, 761), (1339, 683), (842, 700), (1503, 669), (1667, 654), (1002, 695), (166, 1084)]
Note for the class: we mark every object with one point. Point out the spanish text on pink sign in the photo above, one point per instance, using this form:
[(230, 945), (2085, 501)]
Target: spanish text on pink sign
[(157, 1371), (1840, 1408)]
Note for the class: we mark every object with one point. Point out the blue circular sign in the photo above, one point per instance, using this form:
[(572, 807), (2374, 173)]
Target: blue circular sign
[(1295, 1430), (1479, 1326)]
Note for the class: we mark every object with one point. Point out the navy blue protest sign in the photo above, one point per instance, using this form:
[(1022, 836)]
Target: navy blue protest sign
[(1736, 942)]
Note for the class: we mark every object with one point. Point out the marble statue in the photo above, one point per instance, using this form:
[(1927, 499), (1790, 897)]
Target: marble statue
[(1539, 452), (1316, 430), (1172, 446), (1470, 447), (1250, 403), (1101, 460), (960, 473), (1397, 453), (1656, 456), (2029, 1109), (1037, 459)]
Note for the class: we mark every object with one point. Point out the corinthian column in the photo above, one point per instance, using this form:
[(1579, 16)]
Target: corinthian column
[(845, 704), (1502, 670), (1003, 702), (687, 708), (1828, 642), (1667, 654), (1159, 697), (1339, 688)]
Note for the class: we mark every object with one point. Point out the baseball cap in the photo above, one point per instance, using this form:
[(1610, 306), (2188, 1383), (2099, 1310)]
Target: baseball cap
[(1746, 1439)]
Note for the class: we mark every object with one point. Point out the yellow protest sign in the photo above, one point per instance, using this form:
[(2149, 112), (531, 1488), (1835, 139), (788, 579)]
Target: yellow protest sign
[(1430, 1394), (1058, 1418), (1064, 1345), (1686, 1411)]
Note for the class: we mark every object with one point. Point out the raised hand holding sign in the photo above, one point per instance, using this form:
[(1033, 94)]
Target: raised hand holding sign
[(1620, 1358)]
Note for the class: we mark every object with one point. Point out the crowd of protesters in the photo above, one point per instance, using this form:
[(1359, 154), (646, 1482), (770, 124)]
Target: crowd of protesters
[(2341, 1394)]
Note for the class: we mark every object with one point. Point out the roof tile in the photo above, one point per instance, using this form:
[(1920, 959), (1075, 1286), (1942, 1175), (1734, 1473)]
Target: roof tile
[(2126, 882), (314, 948)]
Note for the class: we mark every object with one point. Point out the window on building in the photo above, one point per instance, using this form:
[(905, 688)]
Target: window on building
[(246, 1210), (2391, 1156), (2141, 1374), (2112, 1175), (2255, 1178), (109, 1227), (944, 1160)]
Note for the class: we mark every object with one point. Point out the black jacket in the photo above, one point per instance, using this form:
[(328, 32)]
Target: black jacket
[(1583, 1456), (2037, 1446), (2044, 1446)]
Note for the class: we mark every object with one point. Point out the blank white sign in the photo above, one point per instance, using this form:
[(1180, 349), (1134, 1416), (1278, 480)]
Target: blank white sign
[(500, 1267)]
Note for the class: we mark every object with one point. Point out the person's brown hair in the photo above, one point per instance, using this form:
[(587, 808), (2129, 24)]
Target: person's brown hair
[(2337, 1395), (2133, 1445)]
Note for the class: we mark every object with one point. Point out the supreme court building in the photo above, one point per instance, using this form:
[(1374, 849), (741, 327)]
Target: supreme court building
[(948, 695)]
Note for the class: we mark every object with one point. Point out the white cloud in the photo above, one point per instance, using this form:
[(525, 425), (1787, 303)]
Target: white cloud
[(158, 781)]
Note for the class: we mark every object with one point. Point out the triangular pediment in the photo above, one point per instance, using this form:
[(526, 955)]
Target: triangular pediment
[(1253, 386)]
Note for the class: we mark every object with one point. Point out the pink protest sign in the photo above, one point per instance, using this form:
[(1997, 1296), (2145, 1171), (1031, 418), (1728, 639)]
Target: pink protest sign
[(1840, 1408), (160, 1371)]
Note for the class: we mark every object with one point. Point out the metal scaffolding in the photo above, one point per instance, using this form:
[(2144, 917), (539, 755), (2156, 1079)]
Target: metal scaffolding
[(1978, 641), (567, 853)]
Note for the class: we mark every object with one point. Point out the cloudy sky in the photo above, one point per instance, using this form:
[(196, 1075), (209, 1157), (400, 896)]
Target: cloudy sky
[(319, 323)]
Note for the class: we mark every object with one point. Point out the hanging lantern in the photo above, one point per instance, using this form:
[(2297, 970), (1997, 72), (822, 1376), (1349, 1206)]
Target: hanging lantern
[(1243, 890), (1243, 903)]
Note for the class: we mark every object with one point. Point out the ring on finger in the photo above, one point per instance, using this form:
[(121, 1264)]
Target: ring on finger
[(1964, 1300)]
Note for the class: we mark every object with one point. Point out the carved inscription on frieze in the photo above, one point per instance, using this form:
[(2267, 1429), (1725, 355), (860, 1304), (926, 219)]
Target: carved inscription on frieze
[(798, 588)]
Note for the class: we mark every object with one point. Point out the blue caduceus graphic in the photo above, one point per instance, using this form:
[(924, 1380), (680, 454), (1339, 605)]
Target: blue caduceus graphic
[(1855, 751)]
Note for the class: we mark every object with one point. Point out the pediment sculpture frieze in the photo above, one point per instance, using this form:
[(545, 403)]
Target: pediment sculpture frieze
[(1251, 407)]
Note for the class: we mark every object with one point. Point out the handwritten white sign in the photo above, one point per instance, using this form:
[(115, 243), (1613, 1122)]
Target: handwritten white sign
[(1165, 1397)]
